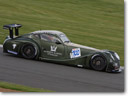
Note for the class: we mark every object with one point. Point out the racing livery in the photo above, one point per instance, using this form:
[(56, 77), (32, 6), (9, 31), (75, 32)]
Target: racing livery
[(54, 46)]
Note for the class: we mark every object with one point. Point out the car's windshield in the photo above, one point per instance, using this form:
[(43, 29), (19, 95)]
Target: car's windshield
[(64, 38)]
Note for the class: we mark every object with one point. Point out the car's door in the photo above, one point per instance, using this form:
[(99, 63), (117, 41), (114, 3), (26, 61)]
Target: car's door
[(52, 47)]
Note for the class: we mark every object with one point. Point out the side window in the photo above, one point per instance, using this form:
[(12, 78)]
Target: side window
[(49, 38), (45, 37)]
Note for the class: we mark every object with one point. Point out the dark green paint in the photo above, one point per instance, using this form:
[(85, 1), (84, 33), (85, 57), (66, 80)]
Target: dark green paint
[(63, 50)]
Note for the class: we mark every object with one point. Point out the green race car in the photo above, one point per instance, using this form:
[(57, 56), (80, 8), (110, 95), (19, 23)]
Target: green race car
[(54, 46)]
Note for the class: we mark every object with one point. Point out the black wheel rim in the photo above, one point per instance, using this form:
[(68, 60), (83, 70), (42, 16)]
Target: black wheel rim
[(98, 63), (29, 51)]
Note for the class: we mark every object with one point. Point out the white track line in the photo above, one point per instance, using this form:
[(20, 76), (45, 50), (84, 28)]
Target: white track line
[(122, 67), (1, 46)]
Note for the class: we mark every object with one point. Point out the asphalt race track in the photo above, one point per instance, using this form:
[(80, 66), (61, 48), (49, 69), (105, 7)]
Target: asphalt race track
[(60, 78)]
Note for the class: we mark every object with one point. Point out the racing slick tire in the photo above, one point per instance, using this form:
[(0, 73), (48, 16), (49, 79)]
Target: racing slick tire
[(28, 51), (98, 62)]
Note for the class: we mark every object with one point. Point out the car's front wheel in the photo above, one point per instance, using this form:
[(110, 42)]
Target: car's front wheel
[(98, 62), (28, 51)]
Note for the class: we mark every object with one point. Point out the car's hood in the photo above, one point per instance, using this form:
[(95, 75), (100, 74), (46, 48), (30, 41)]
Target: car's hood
[(81, 46)]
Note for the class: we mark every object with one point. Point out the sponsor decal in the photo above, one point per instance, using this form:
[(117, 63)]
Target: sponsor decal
[(75, 53), (52, 51), (12, 52), (53, 48), (14, 46), (41, 58)]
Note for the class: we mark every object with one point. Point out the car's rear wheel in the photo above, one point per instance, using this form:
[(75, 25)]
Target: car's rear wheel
[(98, 63), (28, 51)]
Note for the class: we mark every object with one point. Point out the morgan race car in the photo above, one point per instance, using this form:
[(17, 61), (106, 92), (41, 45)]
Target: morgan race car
[(54, 46)]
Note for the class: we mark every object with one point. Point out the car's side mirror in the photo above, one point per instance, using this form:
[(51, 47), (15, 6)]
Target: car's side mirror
[(58, 42)]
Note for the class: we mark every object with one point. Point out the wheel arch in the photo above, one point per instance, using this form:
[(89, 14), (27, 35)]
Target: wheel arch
[(99, 54), (37, 47)]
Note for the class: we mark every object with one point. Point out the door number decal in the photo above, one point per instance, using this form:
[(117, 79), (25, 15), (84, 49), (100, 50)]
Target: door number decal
[(75, 53)]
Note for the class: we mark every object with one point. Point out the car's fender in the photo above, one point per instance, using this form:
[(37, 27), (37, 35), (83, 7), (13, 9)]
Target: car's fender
[(15, 46)]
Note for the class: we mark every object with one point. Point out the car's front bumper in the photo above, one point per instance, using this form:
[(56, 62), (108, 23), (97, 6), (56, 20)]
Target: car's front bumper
[(117, 71), (114, 69)]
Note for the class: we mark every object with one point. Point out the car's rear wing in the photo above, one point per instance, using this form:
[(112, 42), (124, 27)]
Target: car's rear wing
[(10, 27)]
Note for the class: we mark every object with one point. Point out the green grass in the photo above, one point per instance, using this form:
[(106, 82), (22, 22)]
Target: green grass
[(94, 23), (21, 87)]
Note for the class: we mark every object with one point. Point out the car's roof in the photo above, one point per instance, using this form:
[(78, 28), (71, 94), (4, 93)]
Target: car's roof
[(55, 32)]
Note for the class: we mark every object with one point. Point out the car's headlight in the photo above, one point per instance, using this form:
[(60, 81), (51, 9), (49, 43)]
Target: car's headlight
[(117, 56)]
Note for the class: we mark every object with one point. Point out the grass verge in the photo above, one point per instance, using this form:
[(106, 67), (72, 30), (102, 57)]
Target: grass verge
[(23, 88)]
